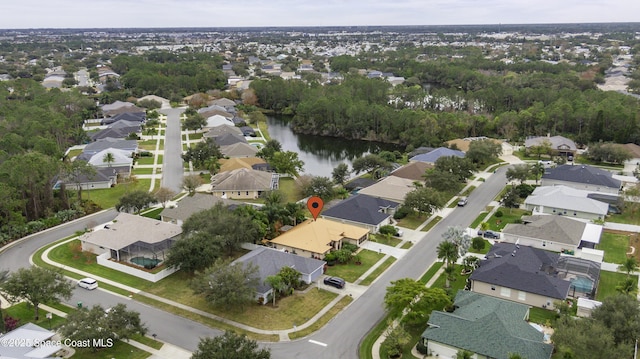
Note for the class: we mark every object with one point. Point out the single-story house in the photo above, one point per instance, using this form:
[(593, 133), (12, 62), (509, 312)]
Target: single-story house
[(130, 236), (316, 238), (269, 261), (414, 171), (391, 188), (26, 339), (120, 129), (359, 183), (534, 276), (190, 205), (229, 139), (164, 103), (363, 211), (463, 144), (240, 149), (243, 183), (222, 130), (561, 146), (208, 112), (486, 326), (248, 131), (119, 107), (126, 116), (553, 233), (582, 177), (121, 158), (223, 102), (566, 201), (230, 164), (105, 177), (218, 120), (432, 157), (106, 143)]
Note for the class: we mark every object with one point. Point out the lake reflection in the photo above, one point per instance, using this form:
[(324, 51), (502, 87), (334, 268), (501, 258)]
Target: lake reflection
[(321, 154)]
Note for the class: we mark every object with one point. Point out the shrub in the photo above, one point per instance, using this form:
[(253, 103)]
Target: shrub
[(388, 230), (477, 243), (524, 190), (350, 247), (499, 214), (402, 212)]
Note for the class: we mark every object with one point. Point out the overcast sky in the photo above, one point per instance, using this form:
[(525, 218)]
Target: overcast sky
[(230, 13)]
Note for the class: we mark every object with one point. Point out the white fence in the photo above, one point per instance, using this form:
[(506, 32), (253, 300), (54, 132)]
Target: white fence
[(103, 260)]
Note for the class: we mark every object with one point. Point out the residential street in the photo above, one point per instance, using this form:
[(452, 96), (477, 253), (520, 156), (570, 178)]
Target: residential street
[(172, 168)]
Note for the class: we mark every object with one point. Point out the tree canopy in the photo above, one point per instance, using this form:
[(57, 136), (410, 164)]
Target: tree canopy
[(227, 285), (230, 345)]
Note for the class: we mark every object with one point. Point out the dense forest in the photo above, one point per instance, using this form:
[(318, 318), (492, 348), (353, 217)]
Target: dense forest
[(447, 98), (37, 126)]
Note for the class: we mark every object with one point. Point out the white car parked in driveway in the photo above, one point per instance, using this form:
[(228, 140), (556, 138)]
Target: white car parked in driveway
[(88, 283)]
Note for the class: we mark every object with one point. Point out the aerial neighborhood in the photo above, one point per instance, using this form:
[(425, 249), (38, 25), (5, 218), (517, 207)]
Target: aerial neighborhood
[(353, 193)]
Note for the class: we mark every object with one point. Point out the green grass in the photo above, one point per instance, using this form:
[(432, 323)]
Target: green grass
[(366, 347), (322, 320), (426, 277), (476, 222), (25, 314), (150, 342), (485, 250), (412, 221), (61, 307), (455, 285), (431, 223), (262, 127), (352, 271), (608, 283), (74, 153), (407, 245), (287, 186), (382, 239), (148, 145), (615, 246), (509, 215), (154, 213), (629, 215), (108, 197), (145, 161), (467, 192), (376, 272), (120, 349), (195, 136), (142, 171), (541, 316)]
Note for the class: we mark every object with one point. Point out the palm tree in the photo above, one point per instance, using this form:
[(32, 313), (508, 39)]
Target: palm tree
[(448, 252), (627, 286), (538, 170), (629, 265), (108, 158), (277, 284)]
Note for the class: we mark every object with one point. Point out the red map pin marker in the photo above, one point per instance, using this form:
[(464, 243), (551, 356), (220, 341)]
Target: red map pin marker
[(315, 206)]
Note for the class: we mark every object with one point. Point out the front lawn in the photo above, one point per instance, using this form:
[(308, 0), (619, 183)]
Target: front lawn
[(431, 224), (24, 313), (142, 171), (458, 282), (485, 250), (608, 283), (412, 221), (509, 215), (382, 239), (146, 160), (120, 349), (615, 246), (352, 271)]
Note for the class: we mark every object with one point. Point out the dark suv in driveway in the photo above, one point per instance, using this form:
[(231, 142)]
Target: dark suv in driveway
[(491, 234), (335, 282)]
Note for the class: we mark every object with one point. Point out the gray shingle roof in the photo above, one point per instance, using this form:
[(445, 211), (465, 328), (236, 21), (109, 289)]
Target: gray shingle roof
[(488, 326), (582, 174), (550, 228), (530, 270), (269, 262), (361, 208), (242, 179), (193, 204), (432, 157), (557, 142)]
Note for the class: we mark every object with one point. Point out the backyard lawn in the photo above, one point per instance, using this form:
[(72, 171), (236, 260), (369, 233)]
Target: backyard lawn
[(608, 283), (629, 215), (352, 271), (615, 246)]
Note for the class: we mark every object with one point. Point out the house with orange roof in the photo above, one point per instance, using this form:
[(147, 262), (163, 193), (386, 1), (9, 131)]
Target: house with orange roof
[(316, 238)]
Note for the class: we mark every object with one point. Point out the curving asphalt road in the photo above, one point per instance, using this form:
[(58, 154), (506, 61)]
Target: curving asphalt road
[(341, 337)]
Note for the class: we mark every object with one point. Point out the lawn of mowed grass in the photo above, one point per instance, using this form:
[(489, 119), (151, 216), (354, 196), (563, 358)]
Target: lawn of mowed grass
[(412, 221), (108, 197), (509, 215), (25, 313), (630, 215), (386, 240), (352, 271), (458, 283), (119, 349), (608, 283), (615, 246)]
